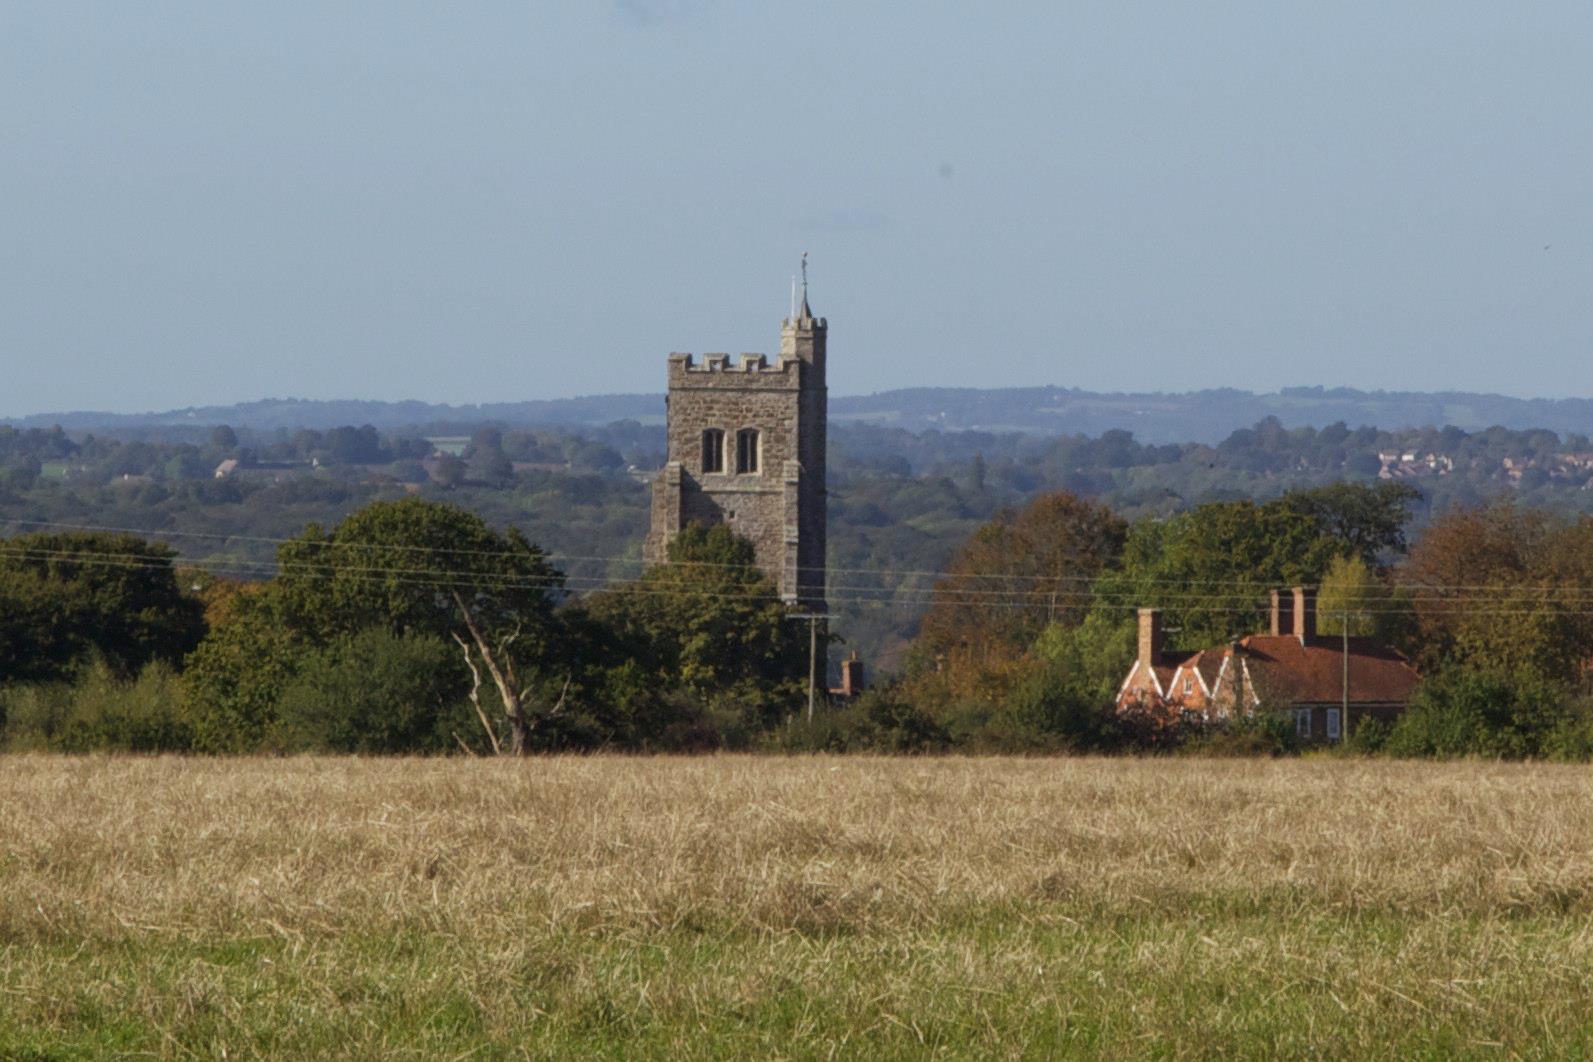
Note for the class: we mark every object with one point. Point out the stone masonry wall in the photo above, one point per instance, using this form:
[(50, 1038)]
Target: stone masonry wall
[(779, 508)]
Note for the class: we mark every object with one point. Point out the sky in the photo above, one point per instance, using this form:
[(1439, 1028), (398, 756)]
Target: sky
[(214, 202)]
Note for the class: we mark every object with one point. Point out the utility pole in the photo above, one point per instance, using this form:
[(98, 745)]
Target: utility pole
[(813, 654), (1344, 727)]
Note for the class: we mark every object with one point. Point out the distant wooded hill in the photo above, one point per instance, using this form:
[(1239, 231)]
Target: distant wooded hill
[(1199, 416)]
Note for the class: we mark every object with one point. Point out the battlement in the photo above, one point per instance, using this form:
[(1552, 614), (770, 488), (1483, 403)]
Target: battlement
[(818, 324), (684, 371)]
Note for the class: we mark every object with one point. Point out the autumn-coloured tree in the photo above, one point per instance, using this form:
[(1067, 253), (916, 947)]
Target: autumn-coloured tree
[(1027, 569), (1503, 587)]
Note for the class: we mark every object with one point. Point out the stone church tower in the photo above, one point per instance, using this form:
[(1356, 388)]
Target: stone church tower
[(746, 448)]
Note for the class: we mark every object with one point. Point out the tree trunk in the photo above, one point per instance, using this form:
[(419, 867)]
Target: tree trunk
[(503, 678), (519, 732)]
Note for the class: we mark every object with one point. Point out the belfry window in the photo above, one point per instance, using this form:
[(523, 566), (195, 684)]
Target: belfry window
[(713, 450), (747, 450)]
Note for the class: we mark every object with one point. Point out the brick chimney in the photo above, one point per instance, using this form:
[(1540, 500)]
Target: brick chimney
[(1151, 637), (1281, 613), (851, 676), (1304, 613)]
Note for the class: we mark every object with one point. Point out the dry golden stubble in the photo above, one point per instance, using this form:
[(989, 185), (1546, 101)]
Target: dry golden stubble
[(106, 848)]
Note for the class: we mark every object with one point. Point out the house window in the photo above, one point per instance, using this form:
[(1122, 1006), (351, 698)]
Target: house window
[(1302, 723), (1333, 724), (713, 450), (1189, 686), (747, 450)]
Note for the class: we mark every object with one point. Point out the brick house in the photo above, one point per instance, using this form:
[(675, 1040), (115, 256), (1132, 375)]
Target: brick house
[(1289, 668)]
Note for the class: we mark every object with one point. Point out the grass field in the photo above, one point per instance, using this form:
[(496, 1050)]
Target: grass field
[(793, 907)]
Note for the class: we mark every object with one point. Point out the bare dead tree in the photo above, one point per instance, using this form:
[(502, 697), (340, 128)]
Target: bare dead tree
[(511, 691), (475, 698)]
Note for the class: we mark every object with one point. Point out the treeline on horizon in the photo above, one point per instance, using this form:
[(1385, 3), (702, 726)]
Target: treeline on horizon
[(1205, 416), (416, 626), (1022, 461), (899, 500)]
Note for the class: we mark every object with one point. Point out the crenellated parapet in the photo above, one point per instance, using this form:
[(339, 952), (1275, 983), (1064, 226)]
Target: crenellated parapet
[(722, 370)]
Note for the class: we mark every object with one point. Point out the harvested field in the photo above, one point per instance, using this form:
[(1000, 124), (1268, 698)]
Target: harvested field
[(793, 906)]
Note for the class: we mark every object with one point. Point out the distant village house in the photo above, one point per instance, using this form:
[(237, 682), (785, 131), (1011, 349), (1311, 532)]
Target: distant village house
[(1290, 668)]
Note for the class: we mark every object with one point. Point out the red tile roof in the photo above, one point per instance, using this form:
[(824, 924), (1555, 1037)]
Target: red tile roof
[(1285, 670)]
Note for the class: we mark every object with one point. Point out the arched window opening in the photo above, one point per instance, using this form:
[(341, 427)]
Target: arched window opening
[(713, 450), (747, 450)]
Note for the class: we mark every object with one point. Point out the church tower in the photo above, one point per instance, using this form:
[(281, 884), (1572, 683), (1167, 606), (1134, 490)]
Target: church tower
[(746, 445)]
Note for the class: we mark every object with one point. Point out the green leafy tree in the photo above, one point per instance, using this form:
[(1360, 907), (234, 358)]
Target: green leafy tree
[(710, 620), (67, 595), (375, 692), (1367, 519), (1353, 596), (406, 566), (233, 680), (1211, 569), (414, 566)]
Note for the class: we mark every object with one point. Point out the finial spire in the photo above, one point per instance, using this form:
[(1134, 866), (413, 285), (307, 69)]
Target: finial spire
[(805, 311)]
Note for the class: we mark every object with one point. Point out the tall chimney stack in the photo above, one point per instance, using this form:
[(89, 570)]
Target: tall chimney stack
[(851, 676), (1282, 614), (1150, 636), (1304, 613)]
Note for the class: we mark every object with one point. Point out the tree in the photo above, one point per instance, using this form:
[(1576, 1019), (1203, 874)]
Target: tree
[(1503, 587), (710, 620), (1368, 519), (487, 439), (1019, 573), (450, 471), (235, 677), (375, 692), (413, 566), (1210, 569), (493, 468), (65, 595), (1352, 595)]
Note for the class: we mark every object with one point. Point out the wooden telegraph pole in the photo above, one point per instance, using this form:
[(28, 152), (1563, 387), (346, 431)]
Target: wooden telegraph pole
[(1344, 727), (813, 654)]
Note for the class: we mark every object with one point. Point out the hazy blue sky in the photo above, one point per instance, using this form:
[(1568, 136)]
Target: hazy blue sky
[(211, 202)]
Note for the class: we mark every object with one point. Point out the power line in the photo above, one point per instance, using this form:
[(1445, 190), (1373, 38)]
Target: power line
[(465, 578), (939, 576)]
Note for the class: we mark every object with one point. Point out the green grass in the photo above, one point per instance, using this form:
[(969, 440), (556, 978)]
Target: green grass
[(1021, 981)]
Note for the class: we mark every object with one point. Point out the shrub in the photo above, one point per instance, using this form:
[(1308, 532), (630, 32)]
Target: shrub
[(33, 715), (1046, 705), (100, 712), (376, 691), (1480, 712), (883, 719), (1255, 734), (1370, 736), (1571, 740)]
